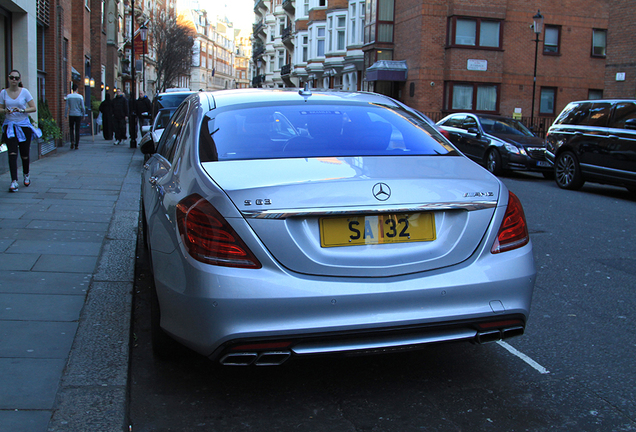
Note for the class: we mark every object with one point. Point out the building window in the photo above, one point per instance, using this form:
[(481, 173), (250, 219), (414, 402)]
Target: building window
[(320, 42), (552, 40), (305, 48), (474, 97), (281, 59), (305, 8), (341, 30), (594, 94), (599, 42), (547, 101), (356, 22), (281, 26), (379, 24), (475, 32)]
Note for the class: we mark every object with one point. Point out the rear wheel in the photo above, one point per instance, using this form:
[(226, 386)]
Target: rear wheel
[(493, 162), (567, 171)]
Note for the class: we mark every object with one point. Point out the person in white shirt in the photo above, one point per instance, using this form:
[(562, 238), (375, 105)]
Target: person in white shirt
[(16, 103), (75, 111)]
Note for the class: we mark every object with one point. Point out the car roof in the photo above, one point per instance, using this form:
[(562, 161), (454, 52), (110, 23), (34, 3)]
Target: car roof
[(174, 93), (221, 98), (604, 100)]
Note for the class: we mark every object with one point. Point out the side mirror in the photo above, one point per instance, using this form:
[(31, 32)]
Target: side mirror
[(145, 129), (474, 131), (148, 147)]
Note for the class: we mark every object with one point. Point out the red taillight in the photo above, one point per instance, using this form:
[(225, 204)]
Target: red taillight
[(444, 132), (209, 238), (513, 232)]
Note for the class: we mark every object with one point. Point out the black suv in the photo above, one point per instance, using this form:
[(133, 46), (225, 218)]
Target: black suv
[(594, 140)]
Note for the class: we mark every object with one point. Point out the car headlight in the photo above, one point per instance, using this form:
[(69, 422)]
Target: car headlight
[(513, 149)]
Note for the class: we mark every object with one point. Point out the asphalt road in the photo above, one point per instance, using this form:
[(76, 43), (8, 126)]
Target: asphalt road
[(573, 370)]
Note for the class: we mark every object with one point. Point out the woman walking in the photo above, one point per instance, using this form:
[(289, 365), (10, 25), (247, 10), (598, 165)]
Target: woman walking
[(15, 103), (106, 108)]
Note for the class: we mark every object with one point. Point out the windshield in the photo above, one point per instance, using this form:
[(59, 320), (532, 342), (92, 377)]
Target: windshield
[(503, 126), (292, 131)]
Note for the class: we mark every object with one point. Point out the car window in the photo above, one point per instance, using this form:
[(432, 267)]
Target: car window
[(328, 130), (599, 114), (170, 135), (623, 112), (574, 114), (470, 122), (454, 121)]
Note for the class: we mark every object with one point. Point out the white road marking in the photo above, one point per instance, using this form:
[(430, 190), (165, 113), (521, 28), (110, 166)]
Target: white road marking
[(523, 357)]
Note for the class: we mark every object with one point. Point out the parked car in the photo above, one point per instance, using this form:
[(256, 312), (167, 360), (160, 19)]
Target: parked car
[(153, 132), (594, 140), (499, 143), (171, 98), (296, 223)]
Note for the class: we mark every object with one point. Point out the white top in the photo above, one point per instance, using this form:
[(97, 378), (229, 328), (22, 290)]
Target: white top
[(20, 102)]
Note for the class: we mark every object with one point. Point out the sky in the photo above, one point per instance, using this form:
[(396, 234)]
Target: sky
[(240, 12)]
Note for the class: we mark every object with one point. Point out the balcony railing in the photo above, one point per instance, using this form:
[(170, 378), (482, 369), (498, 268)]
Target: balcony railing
[(288, 5), (257, 51), (258, 27), (258, 80), (285, 70)]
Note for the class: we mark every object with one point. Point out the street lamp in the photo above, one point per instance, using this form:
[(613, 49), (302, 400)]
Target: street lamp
[(537, 26), (144, 35), (132, 119)]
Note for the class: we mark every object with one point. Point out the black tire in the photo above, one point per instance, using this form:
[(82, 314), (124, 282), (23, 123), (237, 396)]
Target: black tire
[(163, 346), (493, 162), (567, 172)]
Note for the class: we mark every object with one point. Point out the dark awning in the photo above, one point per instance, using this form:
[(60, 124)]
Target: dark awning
[(387, 70), (75, 75)]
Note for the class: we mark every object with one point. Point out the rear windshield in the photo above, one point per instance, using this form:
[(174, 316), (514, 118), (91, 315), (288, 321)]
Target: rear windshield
[(170, 100), (292, 131)]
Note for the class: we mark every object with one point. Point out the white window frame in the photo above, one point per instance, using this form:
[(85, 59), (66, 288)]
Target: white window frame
[(356, 22), (317, 38)]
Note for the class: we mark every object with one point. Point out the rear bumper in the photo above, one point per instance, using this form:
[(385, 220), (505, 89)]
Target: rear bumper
[(214, 312)]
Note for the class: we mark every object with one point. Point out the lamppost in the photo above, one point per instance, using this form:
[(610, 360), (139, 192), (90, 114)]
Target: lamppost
[(132, 127), (538, 28), (143, 30)]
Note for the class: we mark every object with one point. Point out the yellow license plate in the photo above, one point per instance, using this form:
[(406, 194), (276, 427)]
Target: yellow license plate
[(377, 229)]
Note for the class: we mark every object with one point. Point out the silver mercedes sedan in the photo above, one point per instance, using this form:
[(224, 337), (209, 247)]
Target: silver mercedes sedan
[(296, 223)]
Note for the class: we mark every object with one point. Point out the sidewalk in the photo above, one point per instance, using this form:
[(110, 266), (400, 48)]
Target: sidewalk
[(67, 260)]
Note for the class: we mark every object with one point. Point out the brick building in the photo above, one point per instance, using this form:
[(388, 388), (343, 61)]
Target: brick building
[(479, 55), (620, 69)]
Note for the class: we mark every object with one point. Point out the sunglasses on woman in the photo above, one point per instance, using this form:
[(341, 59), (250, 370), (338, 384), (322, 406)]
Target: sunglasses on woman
[(13, 77)]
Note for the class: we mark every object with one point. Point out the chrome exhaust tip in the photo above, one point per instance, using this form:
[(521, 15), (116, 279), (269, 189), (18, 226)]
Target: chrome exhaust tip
[(273, 358), (239, 359), (512, 332), (489, 336)]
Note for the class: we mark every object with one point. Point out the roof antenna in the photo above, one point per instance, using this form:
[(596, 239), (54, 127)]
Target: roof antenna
[(306, 91)]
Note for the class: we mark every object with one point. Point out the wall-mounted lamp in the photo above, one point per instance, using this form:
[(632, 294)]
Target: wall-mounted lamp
[(87, 81), (92, 83)]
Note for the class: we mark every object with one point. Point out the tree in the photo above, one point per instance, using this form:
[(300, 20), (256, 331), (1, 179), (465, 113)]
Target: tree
[(173, 43)]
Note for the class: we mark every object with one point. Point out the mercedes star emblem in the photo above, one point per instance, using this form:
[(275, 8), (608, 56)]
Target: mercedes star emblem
[(381, 191)]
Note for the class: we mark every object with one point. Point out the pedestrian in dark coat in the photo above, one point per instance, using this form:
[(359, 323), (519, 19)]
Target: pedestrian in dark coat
[(120, 115), (143, 109), (106, 109)]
